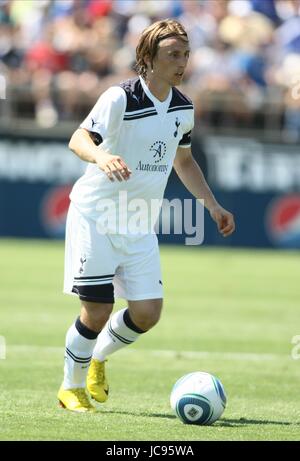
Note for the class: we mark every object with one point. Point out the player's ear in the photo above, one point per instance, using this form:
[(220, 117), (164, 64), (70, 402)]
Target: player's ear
[(147, 60)]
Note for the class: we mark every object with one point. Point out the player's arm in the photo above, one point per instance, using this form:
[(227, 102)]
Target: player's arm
[(192, 177), (82, 144)]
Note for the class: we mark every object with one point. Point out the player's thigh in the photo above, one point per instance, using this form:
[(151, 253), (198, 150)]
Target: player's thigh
[(139, 277), (91, 262)]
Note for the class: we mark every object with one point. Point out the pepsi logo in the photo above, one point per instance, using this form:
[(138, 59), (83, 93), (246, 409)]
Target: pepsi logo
[(283, 221), (54, 209)]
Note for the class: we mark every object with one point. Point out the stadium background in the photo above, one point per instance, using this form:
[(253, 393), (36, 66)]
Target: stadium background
[(56, 57), (244, 77)]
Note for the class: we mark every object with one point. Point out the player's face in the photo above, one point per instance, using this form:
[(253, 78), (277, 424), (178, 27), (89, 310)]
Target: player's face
[(171, 60)]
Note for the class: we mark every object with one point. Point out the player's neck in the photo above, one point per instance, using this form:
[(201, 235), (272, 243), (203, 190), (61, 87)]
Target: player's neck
[(159, 89)]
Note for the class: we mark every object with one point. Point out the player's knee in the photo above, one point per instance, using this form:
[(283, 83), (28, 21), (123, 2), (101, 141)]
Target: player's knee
[(151, 320), (95, 315), (149, 316)]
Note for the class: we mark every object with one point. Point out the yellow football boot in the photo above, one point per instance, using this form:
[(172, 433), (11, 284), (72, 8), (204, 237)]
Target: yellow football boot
[(75, 400), (97, 384)]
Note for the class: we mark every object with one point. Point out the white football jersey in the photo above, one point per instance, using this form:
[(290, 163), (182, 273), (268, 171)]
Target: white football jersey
[(129, 121)]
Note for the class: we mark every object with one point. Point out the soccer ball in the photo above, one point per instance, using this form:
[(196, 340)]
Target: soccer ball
[(198, 398)]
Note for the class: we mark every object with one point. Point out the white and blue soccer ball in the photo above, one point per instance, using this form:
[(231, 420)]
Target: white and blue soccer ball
[(198, 398)]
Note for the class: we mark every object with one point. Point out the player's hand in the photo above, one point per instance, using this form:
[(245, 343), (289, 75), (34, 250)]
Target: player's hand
[(113, 166), (224, 220)]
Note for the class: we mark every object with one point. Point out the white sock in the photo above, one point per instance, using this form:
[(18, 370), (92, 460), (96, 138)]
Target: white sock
[(116, 334), (80, 342)]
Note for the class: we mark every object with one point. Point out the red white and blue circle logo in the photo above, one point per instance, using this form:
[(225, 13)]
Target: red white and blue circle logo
[(283, 221), (54, 209)]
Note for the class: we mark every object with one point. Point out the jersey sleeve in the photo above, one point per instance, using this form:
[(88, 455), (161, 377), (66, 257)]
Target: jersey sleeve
[(104, 120), (186, 138)]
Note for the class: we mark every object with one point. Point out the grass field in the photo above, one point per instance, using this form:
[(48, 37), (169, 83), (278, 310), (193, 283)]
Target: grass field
[(232, 313)]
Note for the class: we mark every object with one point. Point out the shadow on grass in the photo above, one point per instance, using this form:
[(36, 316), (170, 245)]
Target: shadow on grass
[(140, 413), (227, 422), (224, 422)]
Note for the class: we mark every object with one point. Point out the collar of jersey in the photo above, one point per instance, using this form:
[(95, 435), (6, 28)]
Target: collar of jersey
[(161, 106)]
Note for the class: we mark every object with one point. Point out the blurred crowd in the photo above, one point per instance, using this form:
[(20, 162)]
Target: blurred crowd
[(58, 56)]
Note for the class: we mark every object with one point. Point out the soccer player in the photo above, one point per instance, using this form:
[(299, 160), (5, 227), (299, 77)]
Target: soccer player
[(133, 136)]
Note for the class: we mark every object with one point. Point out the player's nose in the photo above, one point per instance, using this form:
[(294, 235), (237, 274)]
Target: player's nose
[(183, 63)]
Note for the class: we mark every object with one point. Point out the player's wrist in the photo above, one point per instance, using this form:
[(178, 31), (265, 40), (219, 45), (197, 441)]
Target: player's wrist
[(99, 154), (211, 204)]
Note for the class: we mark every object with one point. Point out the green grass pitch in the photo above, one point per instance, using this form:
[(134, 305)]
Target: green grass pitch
[(229, 312)]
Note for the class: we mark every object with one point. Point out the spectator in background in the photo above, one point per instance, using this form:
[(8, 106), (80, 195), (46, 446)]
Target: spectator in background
[(267, 8), (61, 54)]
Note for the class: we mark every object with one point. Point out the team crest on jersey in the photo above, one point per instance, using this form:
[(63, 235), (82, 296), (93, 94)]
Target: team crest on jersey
[(177, 124), (159, 148), (82, 261)]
